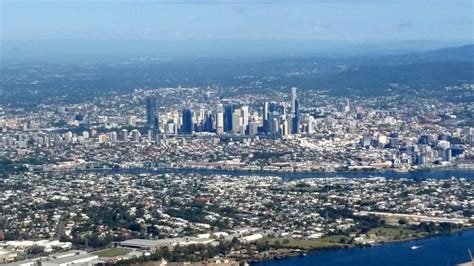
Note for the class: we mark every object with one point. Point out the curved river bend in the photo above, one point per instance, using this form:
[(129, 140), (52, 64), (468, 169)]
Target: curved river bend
[(450, 249), (443, 250)]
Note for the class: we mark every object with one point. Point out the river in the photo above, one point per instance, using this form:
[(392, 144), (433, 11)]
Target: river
[(442, 250), (421, 174)]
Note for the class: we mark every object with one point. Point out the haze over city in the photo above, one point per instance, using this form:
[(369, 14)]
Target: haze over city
[(233, 133)]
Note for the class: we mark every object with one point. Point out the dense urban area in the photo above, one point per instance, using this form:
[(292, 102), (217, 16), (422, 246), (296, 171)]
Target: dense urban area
[(167, 175)]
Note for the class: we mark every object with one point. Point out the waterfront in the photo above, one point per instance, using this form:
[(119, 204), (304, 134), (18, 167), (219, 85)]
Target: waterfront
[(442, 250)]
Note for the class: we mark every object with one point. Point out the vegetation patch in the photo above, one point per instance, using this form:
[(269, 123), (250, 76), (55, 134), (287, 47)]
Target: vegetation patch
[(111, 252)]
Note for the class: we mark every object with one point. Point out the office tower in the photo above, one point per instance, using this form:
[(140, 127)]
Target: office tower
[(187, 122), (265, 118), (285, 128), (237, 121), (151, 115), (208, 125), (245, 118), (219, 122), (228, 113), (270, 120), (201, 116), (253, 127), (296, 119), (446, 154), (275, 125), (293, 100), (311, 125), (347, 106), (124, 135)]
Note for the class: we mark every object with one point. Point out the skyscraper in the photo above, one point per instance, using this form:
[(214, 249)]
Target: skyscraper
[(293, 100), (245, 118), (135, 135), (124, 135), (265, 117), (209, 123), (228, 112), (236, 122), (151, 115), (187, 123), (296, 119)]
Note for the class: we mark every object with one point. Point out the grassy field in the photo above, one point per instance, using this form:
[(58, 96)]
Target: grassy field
[(392, 233), (303, 244), (111, 252), (334, 239)]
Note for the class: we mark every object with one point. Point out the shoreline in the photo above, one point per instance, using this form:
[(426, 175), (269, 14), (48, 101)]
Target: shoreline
[(295, 252)]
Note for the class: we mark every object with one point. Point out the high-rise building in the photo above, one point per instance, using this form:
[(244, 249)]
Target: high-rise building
[(347, 106), (236, 121), (293, 100), (285, 130), (245, 118), (208, 125), (124, 135), (187, 122), (296, 119), (228, 113), (219, 122), (151, 115), (253, 128), (265, 118), (135, 135)]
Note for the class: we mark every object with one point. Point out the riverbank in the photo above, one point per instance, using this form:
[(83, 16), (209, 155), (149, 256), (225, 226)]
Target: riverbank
[(439, 249), (284, 248)]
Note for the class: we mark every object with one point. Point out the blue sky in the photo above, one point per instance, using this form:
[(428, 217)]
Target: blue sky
[(336, 20)]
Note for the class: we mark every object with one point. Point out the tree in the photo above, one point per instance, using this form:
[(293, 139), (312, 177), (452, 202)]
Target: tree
[(136, 227), (402, 222), (277, 244), (35, 250)]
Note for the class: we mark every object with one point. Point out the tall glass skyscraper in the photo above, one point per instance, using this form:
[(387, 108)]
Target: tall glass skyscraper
[(187, 123), (151, 115), (293, 100), (295, 128), (228, 112)]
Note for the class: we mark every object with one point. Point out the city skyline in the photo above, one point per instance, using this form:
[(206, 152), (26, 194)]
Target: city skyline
[(236, 132)]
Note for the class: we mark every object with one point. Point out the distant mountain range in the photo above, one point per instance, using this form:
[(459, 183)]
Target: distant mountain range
[(461, 54), (368, 75), (360, 75), (429, 75)]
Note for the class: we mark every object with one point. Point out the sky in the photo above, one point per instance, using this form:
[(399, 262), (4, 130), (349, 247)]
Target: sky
[(331, 20)]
